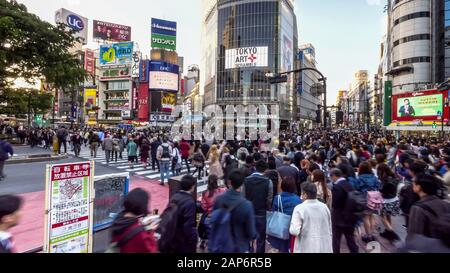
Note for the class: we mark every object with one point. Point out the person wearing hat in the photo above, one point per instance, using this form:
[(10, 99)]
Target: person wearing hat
[(10, 215), (128, 230)]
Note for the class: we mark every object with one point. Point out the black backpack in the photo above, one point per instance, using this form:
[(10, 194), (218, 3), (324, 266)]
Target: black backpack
[(439, 222), (356, 205), (166, 152), (168, 228)]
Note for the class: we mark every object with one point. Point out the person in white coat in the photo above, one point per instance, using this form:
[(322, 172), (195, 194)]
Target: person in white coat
[(311, 224)]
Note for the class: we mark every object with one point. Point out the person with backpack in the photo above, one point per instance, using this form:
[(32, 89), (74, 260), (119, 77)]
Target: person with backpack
[(233, 220), (342, 215), (284, 202), (369, 185), (430, 216), (311, 224), (94, 141), (391, 202), (10, 215), (258, 189), (62, 134), (176, 159), (6, 150), (178, 228), (164, 156), (207, 204), (129, 235)]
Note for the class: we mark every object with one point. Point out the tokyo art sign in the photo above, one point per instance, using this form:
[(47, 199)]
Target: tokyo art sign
[(246, 57)]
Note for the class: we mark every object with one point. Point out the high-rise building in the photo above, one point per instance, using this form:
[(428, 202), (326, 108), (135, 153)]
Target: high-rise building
[(417, 45), (241, 42)]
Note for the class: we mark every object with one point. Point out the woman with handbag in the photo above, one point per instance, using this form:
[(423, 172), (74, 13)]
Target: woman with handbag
[(284, 203), (207, 204)]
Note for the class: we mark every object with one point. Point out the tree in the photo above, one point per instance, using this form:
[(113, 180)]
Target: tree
[(16, 102), (31, 48)]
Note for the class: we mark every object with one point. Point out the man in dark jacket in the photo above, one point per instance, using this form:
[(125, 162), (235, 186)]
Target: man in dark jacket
[(62, 139), (154, 150), (185, 240), (243, 216), (258, 189), (205, 148), (9, 217), (6, 150), (127, 228), (286, 170), (425, 213), (341, 219)]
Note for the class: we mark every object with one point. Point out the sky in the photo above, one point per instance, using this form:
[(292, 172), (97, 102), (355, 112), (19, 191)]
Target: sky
[(345, 33)]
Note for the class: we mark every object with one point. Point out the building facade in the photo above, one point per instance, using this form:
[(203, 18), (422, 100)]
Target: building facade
[(358, 101), (308, 97), (242, 41)]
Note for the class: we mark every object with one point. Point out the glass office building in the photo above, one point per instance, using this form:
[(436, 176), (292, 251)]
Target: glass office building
[(243, 40)]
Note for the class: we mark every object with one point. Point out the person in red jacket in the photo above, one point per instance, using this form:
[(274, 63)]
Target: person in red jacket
[(128, 222), (184, 148)]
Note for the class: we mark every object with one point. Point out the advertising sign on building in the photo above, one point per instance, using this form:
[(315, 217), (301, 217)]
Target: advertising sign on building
[(246, 57), (426, 105), (168, 102), (73, 21), (143, 102), (116, 54), (126, 114), (137, 56), (164, 34), (89, 62), (163, 76), (144, 70), (111, 32), (115, 73), (69, 210), (90, 98)]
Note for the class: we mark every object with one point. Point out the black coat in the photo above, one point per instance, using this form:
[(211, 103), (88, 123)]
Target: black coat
[(258, 190), (186, 234), (339, 216)]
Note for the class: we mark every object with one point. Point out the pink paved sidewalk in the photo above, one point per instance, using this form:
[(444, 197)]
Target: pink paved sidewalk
[(29, 234)]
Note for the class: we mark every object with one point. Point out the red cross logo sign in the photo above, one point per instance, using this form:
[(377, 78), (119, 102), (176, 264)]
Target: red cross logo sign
[(252, 58)]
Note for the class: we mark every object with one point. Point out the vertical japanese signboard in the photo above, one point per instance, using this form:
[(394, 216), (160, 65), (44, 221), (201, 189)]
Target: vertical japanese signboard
[(68, 221)]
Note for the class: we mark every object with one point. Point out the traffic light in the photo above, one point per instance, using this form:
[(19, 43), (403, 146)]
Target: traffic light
[(273, 79), (434, 125)]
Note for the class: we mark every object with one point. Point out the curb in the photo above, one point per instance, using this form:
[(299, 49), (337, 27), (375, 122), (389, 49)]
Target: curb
[(39, 159)]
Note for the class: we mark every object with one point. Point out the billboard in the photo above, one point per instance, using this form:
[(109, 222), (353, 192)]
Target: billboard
[(168, 102), (69, 208), (163, 76), (246, 57), (89, 62), (115, 73), (426, 105), (143, 102), (144, 70), (90, 98), (73, 21), (116, 54), (164, 34), (111, 32), (137, 56)]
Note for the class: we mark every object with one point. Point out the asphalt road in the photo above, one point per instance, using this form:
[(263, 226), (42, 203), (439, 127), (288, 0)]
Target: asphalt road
[(30, 177)]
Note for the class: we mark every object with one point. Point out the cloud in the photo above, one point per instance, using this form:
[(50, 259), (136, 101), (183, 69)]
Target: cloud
[(373, 2)]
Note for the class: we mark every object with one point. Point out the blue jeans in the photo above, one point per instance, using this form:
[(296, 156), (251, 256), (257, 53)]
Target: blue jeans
[(164, 167)]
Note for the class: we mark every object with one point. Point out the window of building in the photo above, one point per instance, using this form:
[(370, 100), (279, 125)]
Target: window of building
[(412, 60), (412, 16), (412, 38)]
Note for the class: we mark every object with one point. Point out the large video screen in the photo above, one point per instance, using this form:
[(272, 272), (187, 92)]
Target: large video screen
[(420, 106)]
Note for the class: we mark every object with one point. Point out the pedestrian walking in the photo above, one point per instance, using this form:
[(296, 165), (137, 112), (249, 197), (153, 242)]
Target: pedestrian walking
[(154, 151), (258, 189), (238, 233), (311, 224), (144, 150), (164, 156), (116, 147), (176, 159), (343, 220), (129, 233), (62, 134), (132, 152), (94, 141), (184, 149), (10, 215), (108, 147), (77, 141), (6, 150)]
